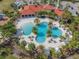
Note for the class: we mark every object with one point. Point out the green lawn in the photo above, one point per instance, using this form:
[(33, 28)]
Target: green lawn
[(10, 57), (1, 57), (76, 56), (5, 5)]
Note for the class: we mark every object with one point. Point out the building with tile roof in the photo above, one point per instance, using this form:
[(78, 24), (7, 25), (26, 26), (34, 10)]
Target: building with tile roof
[(32, 9)]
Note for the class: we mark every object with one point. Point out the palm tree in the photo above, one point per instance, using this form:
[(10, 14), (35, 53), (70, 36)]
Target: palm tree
[(23, 44), (42, 13), (53, 53), (10, 30), (49, 1), (49, 33), (76, 23), (41, 56), (51, 15), (50, 24), (68, 49), (67, 17), (40, 49), (31, 46), (34, 30), (43, 1), (37, 21)]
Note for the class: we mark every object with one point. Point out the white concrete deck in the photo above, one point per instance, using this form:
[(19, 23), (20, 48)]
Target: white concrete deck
[(46, 44)]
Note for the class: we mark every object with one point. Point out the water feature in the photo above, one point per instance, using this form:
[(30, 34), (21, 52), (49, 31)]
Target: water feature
[(56, 32), (41, 33), (27, 28)]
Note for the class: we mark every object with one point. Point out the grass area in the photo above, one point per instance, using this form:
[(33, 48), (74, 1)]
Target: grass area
[(10, 57), (5, 5), (76, 56), (1, 57)]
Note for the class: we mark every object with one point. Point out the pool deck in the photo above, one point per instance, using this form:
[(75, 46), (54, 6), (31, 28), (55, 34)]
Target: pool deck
[(54, 43), (22, 21)]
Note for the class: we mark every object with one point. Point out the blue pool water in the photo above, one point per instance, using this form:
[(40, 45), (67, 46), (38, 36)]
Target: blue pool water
[(56, 32), (27, 28), (41, 32), (42, 29)]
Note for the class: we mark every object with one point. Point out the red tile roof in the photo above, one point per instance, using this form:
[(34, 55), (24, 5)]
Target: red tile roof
[(31, 9), (48, 7), (58, 12)]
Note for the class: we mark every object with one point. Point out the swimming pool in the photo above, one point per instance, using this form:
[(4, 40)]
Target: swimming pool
[(42, 29), (41, 32), (27, 28), (56, 32)]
